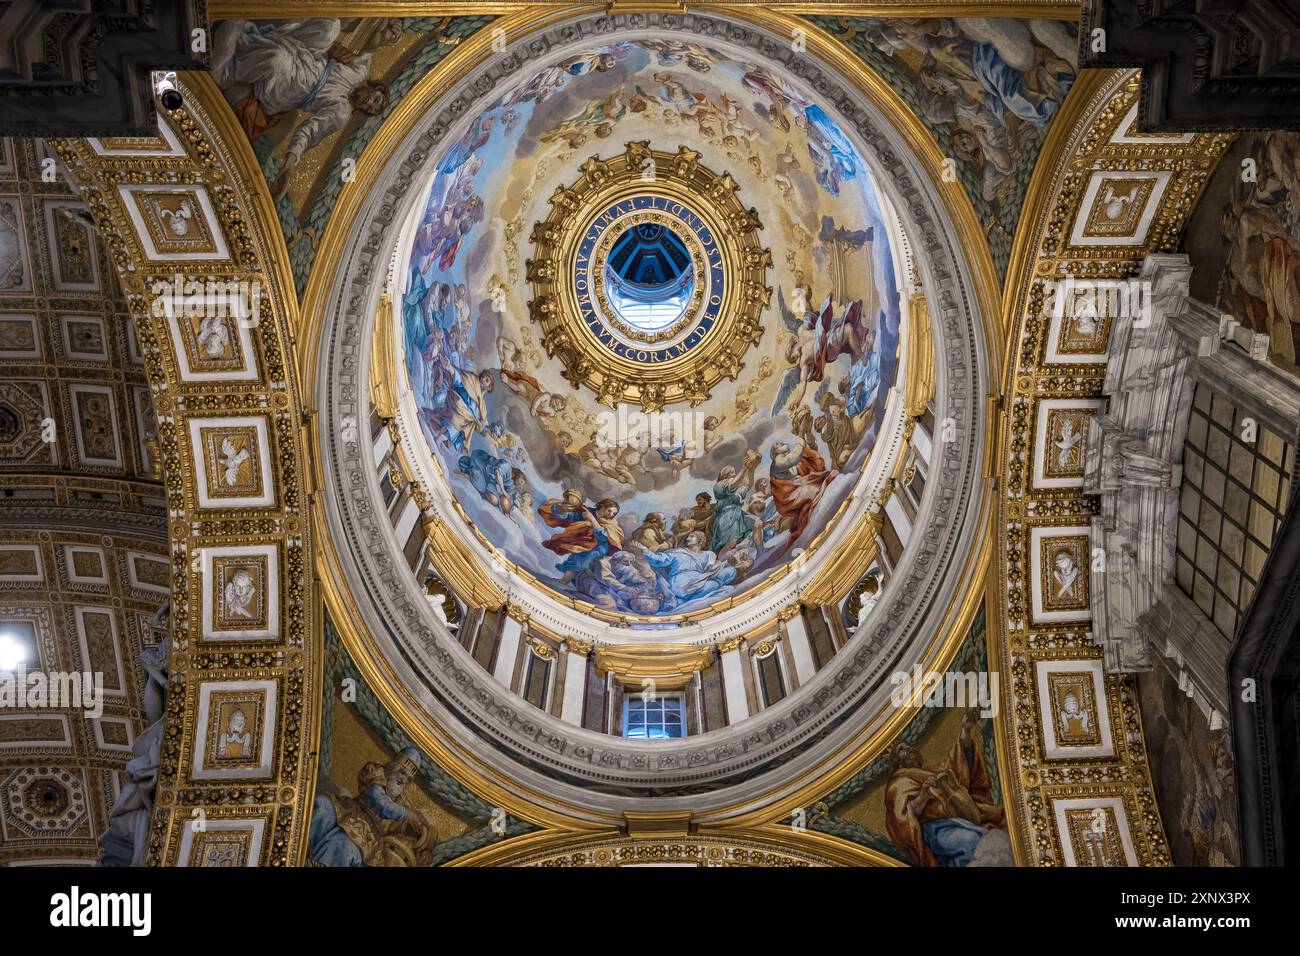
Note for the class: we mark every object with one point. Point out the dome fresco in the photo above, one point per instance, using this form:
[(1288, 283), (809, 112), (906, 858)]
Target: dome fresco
[(656, 506)]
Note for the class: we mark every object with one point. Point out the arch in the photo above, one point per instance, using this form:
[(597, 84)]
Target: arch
[(1053, 795), (192, 204)]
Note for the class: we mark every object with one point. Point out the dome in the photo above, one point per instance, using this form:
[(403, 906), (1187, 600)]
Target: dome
[(652, 309), (675, 376)]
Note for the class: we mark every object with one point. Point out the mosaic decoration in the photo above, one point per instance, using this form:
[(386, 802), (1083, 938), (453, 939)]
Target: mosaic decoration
[(1080, 777)]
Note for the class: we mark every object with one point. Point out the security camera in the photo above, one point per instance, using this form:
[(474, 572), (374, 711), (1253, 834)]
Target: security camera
[(168, 94)]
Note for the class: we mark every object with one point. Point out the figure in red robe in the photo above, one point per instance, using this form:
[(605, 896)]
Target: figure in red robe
[(799, 476)]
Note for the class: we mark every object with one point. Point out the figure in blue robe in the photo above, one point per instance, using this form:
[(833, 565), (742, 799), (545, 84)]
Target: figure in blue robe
[(491, 477), (691, 573)]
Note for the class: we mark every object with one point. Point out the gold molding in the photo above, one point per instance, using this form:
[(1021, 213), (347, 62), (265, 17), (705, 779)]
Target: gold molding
[(772, 845), (670, 666), (218, 159), (727, 645), (542, 648), (687, 372), (657, 824)]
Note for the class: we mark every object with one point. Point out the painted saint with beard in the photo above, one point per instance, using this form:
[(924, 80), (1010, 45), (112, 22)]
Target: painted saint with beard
[(373, 828)]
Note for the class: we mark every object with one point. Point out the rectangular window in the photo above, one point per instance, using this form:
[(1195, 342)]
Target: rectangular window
[(1232, 499), (654, 718)]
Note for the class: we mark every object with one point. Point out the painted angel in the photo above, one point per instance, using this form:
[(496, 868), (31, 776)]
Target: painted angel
[(177, 219), (821, 337)]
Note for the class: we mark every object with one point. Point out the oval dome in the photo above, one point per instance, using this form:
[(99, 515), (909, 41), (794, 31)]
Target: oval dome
[(674, 372), (651, 305)]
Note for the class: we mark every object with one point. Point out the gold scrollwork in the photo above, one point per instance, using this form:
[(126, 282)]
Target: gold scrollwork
[(668, 665), (671, 371)]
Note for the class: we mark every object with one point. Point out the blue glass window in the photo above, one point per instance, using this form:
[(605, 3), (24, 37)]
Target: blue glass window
[(654, 718), (649, 277)]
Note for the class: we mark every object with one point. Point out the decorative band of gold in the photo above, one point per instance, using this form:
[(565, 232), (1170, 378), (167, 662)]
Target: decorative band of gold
[(688, 371)]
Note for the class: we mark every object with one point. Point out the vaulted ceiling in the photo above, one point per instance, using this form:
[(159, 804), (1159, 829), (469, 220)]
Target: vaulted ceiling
[(83, 536), (409, 471)]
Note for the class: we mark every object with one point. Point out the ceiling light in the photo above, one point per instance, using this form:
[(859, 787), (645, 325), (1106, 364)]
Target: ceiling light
[(12, 654)]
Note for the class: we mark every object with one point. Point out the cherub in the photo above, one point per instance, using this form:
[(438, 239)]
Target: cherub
[(232, 460), (711, 437)]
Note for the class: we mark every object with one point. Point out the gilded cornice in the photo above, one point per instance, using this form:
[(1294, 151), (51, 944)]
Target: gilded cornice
[(732, 846), (673, 367)]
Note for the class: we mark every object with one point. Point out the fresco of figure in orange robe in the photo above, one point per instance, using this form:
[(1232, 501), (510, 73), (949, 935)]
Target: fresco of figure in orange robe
[(960, 789), (798, 481)]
